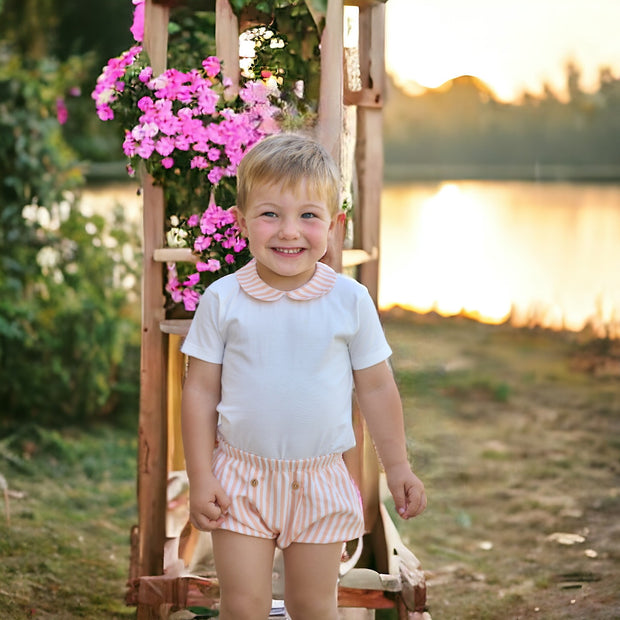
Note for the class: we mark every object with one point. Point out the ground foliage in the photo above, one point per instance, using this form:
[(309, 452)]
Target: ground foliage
[(514, 431)]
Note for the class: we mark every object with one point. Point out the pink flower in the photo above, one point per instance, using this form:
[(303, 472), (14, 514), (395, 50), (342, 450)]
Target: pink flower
[(145, 148), (199, 162), (105, 112), (62, 114), (137, 28), (269, 126), (146, 74), (254, 92), (211, 65), (193, 220), (213, 265), (190, 299), (164, 146), (145, 103), (167, 162), (215, 175), (182, 143), (202, 243), (129, 145), (229, 258), (240, 244), (192, 280)]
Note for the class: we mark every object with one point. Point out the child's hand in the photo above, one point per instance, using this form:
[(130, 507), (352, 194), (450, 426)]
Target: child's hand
[(207, 504), (407, 490)]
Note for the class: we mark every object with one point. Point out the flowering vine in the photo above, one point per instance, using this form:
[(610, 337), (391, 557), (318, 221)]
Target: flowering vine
[(216, 239), (185, 130)]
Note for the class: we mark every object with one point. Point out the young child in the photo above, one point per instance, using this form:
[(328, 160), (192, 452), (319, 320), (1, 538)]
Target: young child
[(275, 350)]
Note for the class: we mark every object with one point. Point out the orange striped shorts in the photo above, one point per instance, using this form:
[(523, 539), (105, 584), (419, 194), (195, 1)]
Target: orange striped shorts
[(290, 501)]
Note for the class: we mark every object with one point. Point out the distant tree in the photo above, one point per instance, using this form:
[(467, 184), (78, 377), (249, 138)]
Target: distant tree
[(573, 78)]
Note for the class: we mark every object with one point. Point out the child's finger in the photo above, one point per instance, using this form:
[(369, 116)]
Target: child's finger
[(223, 501), (416, 502)]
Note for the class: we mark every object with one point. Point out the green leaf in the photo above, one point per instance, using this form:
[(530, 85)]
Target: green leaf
[(203, 612)]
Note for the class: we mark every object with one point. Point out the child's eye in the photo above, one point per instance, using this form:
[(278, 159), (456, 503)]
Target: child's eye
[(308, 215), (268, 214)]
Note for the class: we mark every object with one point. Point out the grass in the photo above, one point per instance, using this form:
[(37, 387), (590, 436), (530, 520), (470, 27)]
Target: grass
[(65, 554), (515, 441), (515, 433)]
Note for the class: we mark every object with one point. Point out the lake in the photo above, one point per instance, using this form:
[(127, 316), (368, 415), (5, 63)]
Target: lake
[(537, 253), (534, 253)]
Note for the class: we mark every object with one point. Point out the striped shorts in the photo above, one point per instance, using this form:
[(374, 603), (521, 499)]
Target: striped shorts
[(290, 501)]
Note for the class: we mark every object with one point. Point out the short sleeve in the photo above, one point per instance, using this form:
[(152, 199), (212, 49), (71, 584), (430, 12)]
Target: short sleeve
[(369, 345), (204, 339)]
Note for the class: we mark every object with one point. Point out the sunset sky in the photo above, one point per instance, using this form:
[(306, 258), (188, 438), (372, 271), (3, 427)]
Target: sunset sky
[(512, 45)]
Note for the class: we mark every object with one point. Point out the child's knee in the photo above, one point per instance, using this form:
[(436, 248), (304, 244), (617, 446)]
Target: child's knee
[(306, 606), (244, 605)]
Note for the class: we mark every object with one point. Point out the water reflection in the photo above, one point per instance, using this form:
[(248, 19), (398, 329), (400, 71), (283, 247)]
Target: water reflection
[(539, 254), (545, 254)]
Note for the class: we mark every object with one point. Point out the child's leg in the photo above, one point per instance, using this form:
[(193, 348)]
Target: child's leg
[(244, 567), (311, 578)]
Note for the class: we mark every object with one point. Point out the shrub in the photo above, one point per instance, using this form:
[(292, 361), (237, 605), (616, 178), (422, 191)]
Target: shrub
[(68, 329)]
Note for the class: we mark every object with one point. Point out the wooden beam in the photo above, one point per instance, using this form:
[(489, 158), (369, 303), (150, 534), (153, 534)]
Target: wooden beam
[(364, 3), (152, 470), (369, 148), (329, 129), (156, 18), (365, 98), (227, 43), (174, 255)]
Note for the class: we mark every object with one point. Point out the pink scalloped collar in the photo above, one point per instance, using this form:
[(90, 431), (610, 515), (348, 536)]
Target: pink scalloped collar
[(322, 282)]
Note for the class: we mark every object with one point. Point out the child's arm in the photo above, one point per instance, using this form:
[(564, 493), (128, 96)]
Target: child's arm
[(201, 395), (381, 406)]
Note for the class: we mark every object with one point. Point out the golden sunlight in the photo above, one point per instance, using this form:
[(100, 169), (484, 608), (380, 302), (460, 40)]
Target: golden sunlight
[(495, 251), (513, 46), (461, 261)]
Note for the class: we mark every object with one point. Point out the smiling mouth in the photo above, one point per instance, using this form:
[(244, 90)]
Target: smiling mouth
[(290, 251)]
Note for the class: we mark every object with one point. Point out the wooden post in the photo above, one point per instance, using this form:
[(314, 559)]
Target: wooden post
[(227, 43), (152, 434), (176, 370), (329, 128), (369, 151)]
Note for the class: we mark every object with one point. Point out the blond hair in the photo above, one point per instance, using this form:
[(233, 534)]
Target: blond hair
[(289, 159)]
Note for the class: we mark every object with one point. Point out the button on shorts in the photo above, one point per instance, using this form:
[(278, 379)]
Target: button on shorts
[(290, 501)]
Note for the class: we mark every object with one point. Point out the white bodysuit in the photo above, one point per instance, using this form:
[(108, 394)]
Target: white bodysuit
[(287, 359)]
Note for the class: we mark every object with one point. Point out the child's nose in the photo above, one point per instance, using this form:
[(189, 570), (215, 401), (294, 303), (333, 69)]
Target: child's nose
[(289, 229)]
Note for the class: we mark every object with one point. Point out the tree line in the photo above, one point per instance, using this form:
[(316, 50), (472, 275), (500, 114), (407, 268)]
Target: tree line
[(463, 124)]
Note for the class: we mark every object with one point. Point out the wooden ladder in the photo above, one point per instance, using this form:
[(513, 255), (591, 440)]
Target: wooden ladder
[(395, 579)]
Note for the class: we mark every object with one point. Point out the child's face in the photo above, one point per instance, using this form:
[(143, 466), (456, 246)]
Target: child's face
[(287, 232)]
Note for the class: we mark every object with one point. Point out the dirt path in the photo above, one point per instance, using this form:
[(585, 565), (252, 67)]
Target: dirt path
[(516, 433)]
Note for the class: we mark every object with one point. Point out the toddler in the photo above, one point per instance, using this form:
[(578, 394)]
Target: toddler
[(275, 351)]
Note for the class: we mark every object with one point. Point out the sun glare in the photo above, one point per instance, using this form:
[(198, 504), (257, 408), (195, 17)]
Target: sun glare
[(453, 229), (512, 46)]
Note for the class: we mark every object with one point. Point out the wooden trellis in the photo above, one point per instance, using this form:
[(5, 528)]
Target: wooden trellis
[(388, 575)]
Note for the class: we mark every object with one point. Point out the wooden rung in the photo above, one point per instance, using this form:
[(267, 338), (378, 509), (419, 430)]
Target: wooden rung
[(363, 3), (351, 258), (179, 327), (364, 98), (174, 255), (367, 579)]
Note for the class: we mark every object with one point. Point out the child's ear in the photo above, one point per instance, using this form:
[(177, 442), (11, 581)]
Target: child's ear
[(239, 218)]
